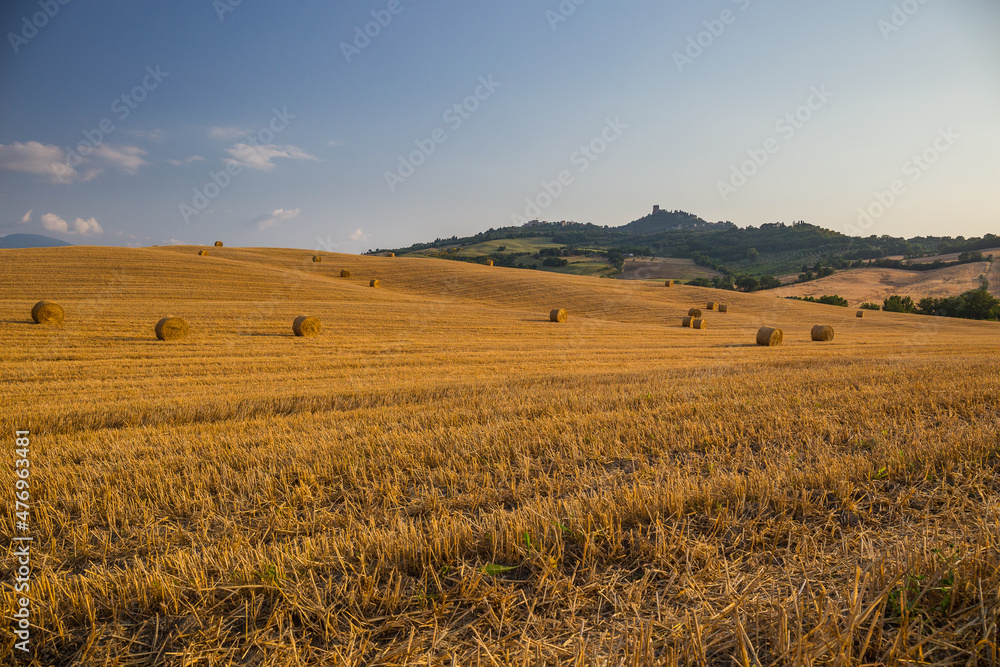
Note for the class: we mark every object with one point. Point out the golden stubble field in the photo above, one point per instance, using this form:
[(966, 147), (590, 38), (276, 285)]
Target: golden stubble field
[(445, 477), (876, 285)]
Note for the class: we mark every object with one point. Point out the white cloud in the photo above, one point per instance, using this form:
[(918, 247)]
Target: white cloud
[(274, 217), (259, 157), (27, 217), (334, 144), (54, 223), (186, 161), (88, 226), (53, 162), (226, 133), (126, 158), (360, 235), (39, 159)]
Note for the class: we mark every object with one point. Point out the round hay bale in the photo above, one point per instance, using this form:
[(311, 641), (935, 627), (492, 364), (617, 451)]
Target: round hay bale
[(392, 254), (723, 308), (317, 259), (686, 322), (861, 314), (375, 282), (558, 315), (769, 337), (491, 262), (305, 326), (218, 244), (345, 273), (694, 312), (699, 324), (711, 305), (822, 333), (171, 328), (670, 283), (202, 253), (47, 312)]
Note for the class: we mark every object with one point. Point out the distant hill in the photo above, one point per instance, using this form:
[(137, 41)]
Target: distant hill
[(769, 250), (877, 284), (12, 241), (660, 221)]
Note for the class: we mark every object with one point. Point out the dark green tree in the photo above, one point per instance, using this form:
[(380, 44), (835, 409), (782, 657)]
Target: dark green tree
[(980, 305), (769, 282), (833, 300), (899, 304)]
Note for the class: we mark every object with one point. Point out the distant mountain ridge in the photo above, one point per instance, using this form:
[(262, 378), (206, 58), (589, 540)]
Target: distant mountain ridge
[(19, 241)]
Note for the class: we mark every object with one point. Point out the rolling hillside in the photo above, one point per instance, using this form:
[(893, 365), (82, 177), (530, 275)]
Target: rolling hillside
[(690, 248), (244, 287), (875, 285), (444, 476)]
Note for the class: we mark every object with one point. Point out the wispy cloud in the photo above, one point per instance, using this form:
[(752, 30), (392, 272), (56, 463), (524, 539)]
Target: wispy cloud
[(27, 217), (186, 161), (275, 217), (54, 164), (156, 136), (124, 158), (329, 244), (226, 133), (54, 223), (260, 157), (334, 144)]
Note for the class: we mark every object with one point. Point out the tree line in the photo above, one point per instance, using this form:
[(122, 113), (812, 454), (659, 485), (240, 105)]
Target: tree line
[(977, 304)]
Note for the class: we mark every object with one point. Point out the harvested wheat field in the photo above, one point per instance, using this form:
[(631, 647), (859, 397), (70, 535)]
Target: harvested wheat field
[(876, 285), (445, 478)]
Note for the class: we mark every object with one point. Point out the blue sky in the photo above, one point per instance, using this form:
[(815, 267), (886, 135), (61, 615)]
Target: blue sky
[(275, 124)]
